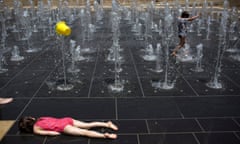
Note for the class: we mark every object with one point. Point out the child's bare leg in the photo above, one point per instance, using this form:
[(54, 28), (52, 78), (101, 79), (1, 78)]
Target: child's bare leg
[(179, 46), (71, 130), (175, 50), (88, 125)]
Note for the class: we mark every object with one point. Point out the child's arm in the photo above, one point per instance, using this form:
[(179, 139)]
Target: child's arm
[(45, 132), (193, 18)]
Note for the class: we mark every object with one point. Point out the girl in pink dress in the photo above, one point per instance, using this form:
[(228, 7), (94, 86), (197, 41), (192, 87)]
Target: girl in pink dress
[(55, 126)]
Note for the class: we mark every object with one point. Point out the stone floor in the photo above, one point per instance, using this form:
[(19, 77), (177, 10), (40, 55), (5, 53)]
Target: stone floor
[(190, 113)]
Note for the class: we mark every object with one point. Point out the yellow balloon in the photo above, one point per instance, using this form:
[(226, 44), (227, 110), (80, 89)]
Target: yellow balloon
[(63, 29)]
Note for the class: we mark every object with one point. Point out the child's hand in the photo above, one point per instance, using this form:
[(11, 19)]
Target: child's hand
[(54, 133)]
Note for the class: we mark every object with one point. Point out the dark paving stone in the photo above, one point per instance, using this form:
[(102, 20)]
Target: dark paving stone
[(64, 139), (209, 106), (52, 53), (104, 56), (27, 89), (80, 89), (147, 108), (25, 84), (15, 131), (167, 139), (17, 65), (222, 124), (238, 135), (122, 139), (12, 110), (28, 58), (76, 108), (229, 63), (10, 73), (43, 64), (233, 74), (108, 70), (4, 81), (217, 138), (131, 126), (148, 70), (199, 85), (188, 70), (173, 125), (86, 70), (138, 56), (23, 139), (31, 76), (237, 120), (138, 52), (100, 87), (181, 88)]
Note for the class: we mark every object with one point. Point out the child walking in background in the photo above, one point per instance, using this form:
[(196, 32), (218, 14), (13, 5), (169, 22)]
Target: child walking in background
[(182, 30), (55, 126)]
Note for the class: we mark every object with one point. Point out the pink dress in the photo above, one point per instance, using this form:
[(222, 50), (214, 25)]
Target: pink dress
[(53, 124)]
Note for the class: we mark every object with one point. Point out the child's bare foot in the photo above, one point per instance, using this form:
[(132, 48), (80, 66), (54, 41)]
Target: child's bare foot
[(111, 136), (112, 126), (174, 54)]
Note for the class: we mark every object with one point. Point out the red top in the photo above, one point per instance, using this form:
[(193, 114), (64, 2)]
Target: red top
[(53, 124)]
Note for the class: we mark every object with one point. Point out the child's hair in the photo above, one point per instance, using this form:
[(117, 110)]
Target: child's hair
[(185, 14), (25, 124)]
